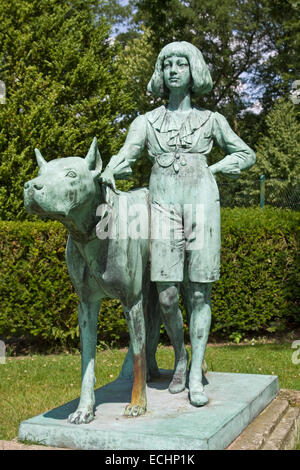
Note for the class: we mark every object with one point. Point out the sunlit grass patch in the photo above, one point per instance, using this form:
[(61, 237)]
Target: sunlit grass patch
[(32, 385)]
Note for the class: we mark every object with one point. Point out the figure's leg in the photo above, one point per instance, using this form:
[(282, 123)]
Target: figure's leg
[(199, 295), (87, 316), (172, 318), (136, 326)]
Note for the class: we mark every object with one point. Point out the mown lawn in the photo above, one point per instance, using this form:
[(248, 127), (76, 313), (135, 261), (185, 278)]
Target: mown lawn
[(31, 385)]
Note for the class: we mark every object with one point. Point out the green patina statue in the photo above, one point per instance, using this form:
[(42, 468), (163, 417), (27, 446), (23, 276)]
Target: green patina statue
[(112, 235), (184, 198), (101, 264)]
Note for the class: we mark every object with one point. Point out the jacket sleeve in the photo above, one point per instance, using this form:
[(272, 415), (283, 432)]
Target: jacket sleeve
[(134, 145), (239, 156)]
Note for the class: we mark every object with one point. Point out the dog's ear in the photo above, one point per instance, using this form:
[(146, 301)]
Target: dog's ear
[(93, 158), (39, 158)]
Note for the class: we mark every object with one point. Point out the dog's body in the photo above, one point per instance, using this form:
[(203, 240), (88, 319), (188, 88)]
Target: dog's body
[(68, 190)]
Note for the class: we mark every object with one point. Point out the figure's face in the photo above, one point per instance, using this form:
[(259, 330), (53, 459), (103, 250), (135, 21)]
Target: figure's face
[(177, 73)]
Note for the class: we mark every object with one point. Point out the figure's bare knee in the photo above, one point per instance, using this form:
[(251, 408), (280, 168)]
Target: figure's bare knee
[(199, 295), (168, 298), (198, 299)]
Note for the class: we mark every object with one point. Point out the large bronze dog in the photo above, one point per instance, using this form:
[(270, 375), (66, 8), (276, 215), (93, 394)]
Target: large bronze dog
[(101, 264)]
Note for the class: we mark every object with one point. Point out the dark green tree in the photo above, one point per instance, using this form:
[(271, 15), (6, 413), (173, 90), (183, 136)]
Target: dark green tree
[(278, 155), (227, 33), (253, 42), (251, 47), (63, 85), (277, 151), (281, 65)]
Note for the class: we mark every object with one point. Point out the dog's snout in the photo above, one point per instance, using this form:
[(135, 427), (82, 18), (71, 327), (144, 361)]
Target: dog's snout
[(33, 185)]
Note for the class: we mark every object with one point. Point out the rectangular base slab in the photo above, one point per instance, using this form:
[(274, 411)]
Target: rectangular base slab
[(170, 423)]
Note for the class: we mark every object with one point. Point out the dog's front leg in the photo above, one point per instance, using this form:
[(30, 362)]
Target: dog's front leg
[(136, 326), (87, 316)]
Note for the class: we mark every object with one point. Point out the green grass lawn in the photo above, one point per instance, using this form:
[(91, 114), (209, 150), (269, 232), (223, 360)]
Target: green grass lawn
[(31, 385)]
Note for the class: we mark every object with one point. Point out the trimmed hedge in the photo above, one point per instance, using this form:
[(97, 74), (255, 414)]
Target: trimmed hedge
[(257, 290), (37, 297), (259, 285)]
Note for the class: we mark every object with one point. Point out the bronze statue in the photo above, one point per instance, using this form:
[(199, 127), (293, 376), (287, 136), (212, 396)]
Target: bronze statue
[(184, 197)]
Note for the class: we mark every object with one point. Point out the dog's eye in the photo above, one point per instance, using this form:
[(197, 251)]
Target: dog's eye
[(71, 174)]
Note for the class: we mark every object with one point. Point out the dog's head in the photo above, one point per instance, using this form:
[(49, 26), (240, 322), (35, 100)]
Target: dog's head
[(64, 184)]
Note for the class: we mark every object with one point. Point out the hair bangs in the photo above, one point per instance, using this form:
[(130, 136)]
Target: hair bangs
[(201, 78)]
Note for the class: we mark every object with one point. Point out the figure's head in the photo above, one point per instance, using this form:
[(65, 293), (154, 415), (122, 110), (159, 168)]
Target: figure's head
[(201, 82)]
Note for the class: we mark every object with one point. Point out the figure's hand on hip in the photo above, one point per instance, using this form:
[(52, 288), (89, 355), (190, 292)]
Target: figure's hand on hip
[(230, 169)]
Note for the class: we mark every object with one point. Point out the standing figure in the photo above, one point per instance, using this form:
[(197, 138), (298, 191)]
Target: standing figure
[(184, 196)]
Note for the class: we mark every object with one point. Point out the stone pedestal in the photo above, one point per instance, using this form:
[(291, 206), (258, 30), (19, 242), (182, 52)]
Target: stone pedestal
[(171, 422)]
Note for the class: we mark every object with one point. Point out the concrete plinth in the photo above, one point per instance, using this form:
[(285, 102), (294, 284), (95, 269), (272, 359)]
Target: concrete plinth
[(171, 422)]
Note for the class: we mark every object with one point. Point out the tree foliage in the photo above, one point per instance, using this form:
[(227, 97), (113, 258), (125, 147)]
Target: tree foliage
[(281, 65), (277, 151), (252, 50), (63, 87), (67, 79), (243, 41), (278, 155)]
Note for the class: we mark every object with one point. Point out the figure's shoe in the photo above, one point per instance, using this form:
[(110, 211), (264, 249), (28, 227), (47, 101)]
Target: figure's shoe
[(178, 383), (198, 398), (196, 393)]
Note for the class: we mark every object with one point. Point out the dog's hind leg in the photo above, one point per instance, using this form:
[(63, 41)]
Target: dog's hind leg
[(152, 322), (88, 316), (136, 326), (152, 325)]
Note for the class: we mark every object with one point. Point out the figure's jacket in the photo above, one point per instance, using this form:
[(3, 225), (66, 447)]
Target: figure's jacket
[(159, 131)]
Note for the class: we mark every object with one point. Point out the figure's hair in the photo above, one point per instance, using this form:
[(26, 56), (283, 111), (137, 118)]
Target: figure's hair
[(201, 79)]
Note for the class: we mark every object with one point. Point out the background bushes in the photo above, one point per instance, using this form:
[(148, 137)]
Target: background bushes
[(257, 291), (259, 285)]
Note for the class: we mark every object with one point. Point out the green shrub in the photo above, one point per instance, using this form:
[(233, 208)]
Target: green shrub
[(37, 298), (257, 290)]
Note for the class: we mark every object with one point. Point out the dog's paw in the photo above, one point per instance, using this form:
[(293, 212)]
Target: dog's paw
[(134, 410), (81, 416)]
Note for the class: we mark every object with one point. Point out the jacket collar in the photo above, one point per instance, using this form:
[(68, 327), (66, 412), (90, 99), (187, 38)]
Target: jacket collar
[(163, 121)]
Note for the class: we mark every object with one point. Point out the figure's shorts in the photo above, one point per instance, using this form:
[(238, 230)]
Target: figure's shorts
[(185, 223)]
